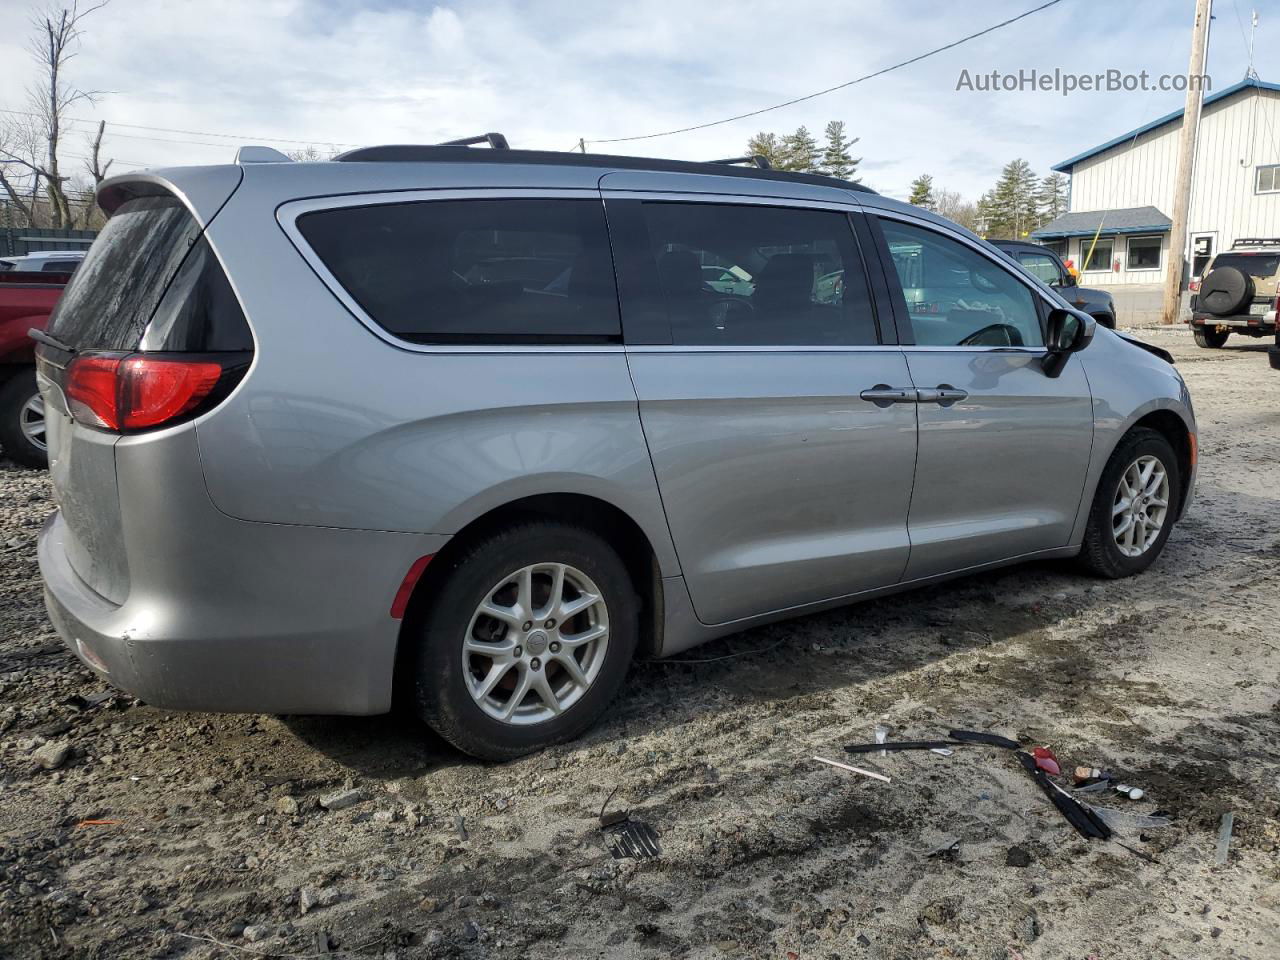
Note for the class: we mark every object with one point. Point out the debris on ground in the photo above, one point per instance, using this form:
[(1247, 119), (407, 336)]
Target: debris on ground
[(342, 799), (858, 770), (52, 755), (1224, 838)]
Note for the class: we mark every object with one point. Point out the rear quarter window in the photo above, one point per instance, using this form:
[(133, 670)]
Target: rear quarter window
[(474, 271)]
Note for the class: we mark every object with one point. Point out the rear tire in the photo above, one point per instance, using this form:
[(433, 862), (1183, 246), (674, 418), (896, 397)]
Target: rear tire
[(487, 574), (1105, 552), (22, 421), (1212, 339)]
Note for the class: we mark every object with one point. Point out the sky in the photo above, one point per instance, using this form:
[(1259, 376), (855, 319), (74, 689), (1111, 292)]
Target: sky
[(546, 73)]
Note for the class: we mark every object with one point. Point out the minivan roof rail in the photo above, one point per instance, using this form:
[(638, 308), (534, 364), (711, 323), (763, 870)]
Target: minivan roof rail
[(757, 160), (452, 153), (495, 140)]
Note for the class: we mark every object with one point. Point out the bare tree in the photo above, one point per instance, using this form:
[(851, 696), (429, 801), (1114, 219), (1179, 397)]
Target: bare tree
[(311, 154), (54, 44)]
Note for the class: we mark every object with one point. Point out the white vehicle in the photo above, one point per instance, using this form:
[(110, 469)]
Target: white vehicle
[(46, 261)]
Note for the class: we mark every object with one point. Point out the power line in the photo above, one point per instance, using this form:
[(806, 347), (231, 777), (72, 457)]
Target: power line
[(244, 138), (839, 86)]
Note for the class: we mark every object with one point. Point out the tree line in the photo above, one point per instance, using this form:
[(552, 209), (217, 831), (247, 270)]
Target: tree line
[(1018, 203), (800, 151)]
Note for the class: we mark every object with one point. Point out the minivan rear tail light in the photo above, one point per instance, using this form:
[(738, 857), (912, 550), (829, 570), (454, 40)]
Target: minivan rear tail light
[(136, 391)]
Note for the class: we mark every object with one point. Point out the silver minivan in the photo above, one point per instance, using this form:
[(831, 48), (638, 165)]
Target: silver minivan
[(472, 426)]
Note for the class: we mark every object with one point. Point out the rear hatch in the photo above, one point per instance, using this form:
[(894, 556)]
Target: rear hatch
[(147, 335)]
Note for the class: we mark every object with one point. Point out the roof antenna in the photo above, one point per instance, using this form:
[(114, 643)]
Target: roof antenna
[(1252, 74)]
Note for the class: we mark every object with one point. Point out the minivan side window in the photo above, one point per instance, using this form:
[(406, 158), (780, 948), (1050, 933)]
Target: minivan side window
[(783, 276), (957, 297), (475, 271)]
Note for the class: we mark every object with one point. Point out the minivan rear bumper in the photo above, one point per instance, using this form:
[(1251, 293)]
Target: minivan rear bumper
[(313, 635)]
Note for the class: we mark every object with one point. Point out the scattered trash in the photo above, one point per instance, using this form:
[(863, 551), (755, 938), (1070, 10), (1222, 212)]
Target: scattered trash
[(1224, 838), (635, 839), (882, 734), (1046, 761), (460, 825), (98, 823), (88, 703), (942, 751), (1096, 787), (629, 838), (1083, 775), (948, 852), (1133, 793), (1086, 822), (990, 739), (897, 745), (858, 770)]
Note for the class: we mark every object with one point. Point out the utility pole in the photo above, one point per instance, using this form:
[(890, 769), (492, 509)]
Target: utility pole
[(1186, 160)]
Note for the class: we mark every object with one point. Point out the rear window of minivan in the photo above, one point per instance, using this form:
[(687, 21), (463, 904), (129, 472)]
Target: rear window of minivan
[(474, 271), (151, 282)]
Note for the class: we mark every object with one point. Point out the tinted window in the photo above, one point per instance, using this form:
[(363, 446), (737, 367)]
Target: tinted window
[(1041, 266), (784, 276), (199, 311), (117, 286), (957, 297), (457, 271), (60, 266), (1260, 266)]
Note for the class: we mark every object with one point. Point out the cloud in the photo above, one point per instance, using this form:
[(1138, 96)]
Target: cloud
[(547, 73)]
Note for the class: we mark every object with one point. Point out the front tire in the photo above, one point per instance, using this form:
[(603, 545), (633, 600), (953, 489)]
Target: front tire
[(22, 424), (1134, 506), (526, 641), (1212, 339)]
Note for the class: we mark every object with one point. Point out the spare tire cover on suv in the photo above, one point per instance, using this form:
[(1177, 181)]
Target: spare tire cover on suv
[(1226, 290)]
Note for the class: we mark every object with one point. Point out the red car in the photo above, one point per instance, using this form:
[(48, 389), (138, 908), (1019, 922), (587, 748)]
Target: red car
[(26, 300)]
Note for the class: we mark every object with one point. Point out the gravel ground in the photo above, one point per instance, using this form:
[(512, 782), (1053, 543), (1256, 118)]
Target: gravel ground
[(161, 832)]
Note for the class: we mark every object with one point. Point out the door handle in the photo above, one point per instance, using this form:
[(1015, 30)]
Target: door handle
[(883, 395), (944, 395)]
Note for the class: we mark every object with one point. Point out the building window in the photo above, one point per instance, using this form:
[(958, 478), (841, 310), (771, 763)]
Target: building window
[(1268, 179), (1144, 253), (1103, 251)]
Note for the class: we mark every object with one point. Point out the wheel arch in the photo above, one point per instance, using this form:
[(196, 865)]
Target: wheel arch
[(600, 516), (1175, 428)]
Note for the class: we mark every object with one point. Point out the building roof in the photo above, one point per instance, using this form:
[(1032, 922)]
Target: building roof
[(1086, 224), (1248, 83)]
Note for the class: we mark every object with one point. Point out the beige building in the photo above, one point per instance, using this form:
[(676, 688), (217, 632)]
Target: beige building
[(1122, 190)]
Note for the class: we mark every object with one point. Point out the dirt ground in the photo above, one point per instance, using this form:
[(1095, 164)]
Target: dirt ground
[(162, 832)]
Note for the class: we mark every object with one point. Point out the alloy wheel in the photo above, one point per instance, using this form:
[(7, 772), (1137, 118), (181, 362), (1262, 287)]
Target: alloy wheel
[(31, 422), (1141, 506), (536, 643)]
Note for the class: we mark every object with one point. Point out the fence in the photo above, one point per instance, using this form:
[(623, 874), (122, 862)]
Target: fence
[(17, 241)]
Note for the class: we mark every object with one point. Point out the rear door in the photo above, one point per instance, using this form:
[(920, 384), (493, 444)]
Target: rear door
[(782, 485), (1003, 448)]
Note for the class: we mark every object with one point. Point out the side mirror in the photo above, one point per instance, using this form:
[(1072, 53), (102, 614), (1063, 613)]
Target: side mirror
[(1066, 332)]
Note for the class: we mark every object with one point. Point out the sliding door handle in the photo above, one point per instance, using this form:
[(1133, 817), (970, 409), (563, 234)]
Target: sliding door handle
[(944, 395), (883, 395)]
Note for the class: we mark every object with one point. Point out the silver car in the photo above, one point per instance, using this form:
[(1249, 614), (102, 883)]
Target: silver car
[(314, 441)]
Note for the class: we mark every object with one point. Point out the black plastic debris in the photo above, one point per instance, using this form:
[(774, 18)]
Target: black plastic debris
[(893, 745), (990, 739), (628, 837), (635, 839), (1086, 822)]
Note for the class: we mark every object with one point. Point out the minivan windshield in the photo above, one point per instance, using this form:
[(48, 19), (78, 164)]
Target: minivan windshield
[(116, 289)]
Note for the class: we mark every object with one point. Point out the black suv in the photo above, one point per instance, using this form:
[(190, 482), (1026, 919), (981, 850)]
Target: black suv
[(1043, 264)]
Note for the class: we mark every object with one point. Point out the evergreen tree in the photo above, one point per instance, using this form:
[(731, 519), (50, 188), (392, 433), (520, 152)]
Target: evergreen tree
[(837, 161), (1051, 197), (800, 151), (766, 145), (922, 192), (1011, 207)]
